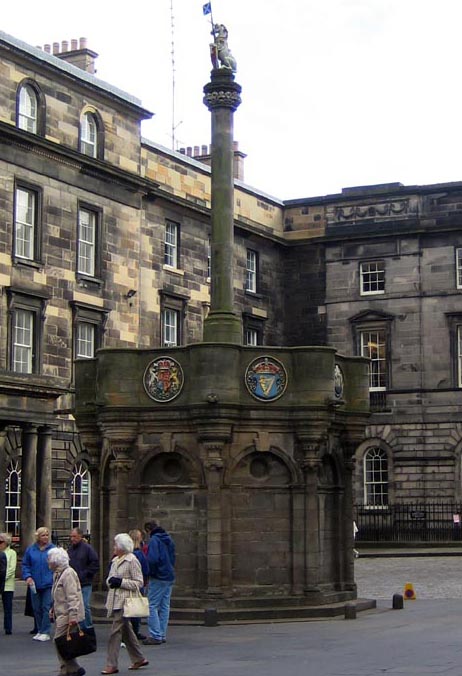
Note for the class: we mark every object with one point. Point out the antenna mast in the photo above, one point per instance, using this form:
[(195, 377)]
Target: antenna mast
[(172, 26)]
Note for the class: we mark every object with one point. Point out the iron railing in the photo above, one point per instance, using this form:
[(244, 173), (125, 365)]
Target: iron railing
[(409, 522)]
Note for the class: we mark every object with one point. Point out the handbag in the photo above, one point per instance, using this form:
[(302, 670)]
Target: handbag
[(136, 605), (76, 641)]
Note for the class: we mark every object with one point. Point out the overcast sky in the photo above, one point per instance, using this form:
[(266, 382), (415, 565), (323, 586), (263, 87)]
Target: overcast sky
[(335, 93)]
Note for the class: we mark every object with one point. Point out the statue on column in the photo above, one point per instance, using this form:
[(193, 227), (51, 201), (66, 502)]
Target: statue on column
[(220, 53)]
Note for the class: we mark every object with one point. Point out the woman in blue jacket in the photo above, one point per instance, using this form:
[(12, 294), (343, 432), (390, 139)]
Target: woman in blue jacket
[(39, 578)]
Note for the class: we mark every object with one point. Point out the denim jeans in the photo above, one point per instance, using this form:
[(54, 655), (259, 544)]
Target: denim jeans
[(41, 603), (7, 598), (159, 593), (86, 595)]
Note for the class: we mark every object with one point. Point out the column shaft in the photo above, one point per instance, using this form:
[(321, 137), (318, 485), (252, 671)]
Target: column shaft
[(44, 469), (29, 486)]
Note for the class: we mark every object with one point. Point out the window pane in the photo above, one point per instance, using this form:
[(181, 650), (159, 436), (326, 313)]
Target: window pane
[(80, 498), (87, 242), (85, 347), (12, 499), (373, 347), (171, 245), (251, 271), (170, 328), (23, 334), (373, 277), (24, 231), (251, 337), (27, 114), (376, 477), (88, 137)]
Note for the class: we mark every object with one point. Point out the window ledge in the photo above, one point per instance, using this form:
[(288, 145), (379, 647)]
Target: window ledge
[(26, 263), (175, 271), (253, 294)]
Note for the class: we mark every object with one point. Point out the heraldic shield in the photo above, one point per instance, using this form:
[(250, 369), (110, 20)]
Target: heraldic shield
[(266, 378), (163, 379)]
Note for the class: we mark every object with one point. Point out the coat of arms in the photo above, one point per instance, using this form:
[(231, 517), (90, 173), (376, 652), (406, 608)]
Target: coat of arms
[(163, 379), (266, 378)]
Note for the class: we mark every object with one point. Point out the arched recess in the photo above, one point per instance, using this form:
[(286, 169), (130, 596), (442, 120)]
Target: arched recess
[(374, 465), (260, 518), (170, 489)]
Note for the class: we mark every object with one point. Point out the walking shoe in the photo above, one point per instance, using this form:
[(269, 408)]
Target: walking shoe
[(42, 637), (141, 637), (138, 665), (151, 641), (36, 637)]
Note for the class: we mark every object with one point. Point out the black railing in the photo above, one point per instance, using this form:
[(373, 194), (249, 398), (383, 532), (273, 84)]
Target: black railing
[(378, 401), (410, 522)]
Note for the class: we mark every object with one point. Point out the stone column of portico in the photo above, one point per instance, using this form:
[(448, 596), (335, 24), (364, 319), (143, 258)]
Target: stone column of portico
[(222, 98), (29, 486), (44, 464)]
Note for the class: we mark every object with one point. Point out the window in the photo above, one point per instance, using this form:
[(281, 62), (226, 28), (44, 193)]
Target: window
[(172, 312), (170, 328), (26, 224), (375, 477), (209, 259), (251, 271), (89, 323), (459, 356), (372, 277), (373, 346), (250, 337), (89, 135), (80, 497), (13, 499), (459, 268), (88, 242), (26, 316), (171, 244), (27, 109)]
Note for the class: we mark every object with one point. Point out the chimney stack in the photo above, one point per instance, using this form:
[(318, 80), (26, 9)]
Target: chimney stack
[(204, 154), (78, 55)]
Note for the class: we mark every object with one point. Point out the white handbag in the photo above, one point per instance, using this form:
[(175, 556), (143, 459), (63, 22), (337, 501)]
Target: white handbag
[(136, 605)]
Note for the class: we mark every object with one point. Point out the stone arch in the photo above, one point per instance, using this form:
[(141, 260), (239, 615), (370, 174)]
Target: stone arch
[(260, 522), (176, 467)]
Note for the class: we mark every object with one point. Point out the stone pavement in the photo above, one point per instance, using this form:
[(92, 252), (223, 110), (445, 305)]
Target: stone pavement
[(423, 638)]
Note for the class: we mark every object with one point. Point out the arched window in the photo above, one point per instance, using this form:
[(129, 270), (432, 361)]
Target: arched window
[(375, 477), (27, 117), (13, 499), (89, 135), (80, 497)]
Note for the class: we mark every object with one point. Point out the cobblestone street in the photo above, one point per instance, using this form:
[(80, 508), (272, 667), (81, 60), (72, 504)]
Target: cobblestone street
[(433, 577)]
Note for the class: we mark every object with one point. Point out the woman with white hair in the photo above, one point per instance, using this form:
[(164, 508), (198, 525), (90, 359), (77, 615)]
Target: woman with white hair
[(125, 577), (39, 579), (68, 609)]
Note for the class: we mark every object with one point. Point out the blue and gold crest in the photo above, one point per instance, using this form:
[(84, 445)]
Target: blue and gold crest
[(163, 379), (266, 378)]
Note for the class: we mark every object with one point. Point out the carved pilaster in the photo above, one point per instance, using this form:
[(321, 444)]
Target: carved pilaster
[(214, 466)]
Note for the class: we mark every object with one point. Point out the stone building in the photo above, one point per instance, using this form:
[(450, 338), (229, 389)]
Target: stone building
[(105, 244)]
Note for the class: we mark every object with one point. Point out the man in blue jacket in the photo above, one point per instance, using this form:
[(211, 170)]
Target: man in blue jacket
[(84, 560), (161, 561)]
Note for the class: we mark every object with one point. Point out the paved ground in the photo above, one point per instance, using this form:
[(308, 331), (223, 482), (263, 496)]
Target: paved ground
[(425, 638)]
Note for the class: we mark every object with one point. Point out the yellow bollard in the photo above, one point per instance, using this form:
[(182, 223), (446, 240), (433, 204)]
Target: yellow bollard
[(409, 593)]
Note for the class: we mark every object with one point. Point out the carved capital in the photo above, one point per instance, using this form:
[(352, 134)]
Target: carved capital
[(222, 91)]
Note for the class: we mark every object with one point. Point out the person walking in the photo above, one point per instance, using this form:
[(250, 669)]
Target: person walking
[(68, 608), (137, 537), (161, 561), (84, 560), (125, 578), (39, 578), (8, 590)]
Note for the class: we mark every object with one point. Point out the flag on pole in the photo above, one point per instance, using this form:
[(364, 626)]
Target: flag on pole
[(207, 8)]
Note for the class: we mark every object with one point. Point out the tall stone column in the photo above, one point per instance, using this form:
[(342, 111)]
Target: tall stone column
[(29, 486), (222, 98), (44, 468), (310, 467), (348, 446)]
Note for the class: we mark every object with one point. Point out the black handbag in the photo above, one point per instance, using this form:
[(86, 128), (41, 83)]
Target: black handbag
[(76, 641)]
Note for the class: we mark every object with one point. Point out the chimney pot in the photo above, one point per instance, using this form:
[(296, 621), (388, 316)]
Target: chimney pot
[(189, 151), (74, 44), (64, 46), (182, 151), (83, 43), (55, 47), (196, 151), (235, 146), (47, 48), (204, 150)]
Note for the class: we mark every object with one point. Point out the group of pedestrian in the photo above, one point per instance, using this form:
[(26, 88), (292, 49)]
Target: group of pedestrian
[(60, 587)]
